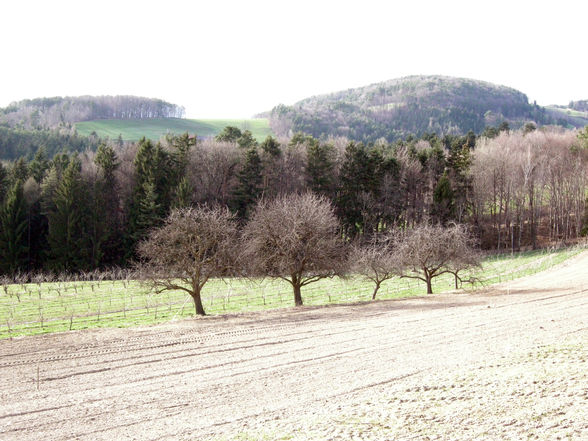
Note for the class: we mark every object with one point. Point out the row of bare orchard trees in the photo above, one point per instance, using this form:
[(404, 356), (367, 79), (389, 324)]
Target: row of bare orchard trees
[(296, 238), (78, 212)]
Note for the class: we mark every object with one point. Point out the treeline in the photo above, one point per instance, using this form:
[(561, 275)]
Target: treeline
[(43, 113), (90, 210), (581, 105), (17, 142)]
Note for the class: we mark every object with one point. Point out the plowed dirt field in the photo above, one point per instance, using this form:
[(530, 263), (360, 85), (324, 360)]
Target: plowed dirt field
[(509, 362)]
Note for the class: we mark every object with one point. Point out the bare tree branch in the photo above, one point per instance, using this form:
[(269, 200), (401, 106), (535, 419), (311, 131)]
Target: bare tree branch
[(294, 237), (193, 245)]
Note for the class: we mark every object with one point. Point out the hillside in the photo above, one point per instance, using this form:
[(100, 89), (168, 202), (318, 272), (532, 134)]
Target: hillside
[(51, 113), (135, 129), (412, 105), (575, 114)]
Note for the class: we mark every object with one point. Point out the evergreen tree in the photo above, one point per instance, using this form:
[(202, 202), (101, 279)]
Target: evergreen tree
[(60, 162), (152, 194), (271, 146), (106, 218), (182, 145), (470, 140), (229, 134), (249, 184), (443, 201), (13, 229), (459, 163), (107, 160), (39, 165), (301, 138), (37, 225), (529, 127), (320, 168), (183, 194), (19, 171), (246, 140), (360, 179), (148, 211), (68, 238), (163, 181)]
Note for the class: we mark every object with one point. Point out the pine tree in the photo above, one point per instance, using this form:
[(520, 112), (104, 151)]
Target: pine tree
[(179, 158), (67, 236), (182, 145), (320, 166), (246, 140), (106, 211), (183, 194), (152, 195), (249, 184), (443, 208), (229, 134), (19, 171), (459, 163), (271, 146), (13, 229), (148, 211), (37, 225), (360, 180), (39, 165)]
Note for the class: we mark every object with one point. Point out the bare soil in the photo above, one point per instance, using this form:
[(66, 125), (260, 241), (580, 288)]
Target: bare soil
[(509, 362)]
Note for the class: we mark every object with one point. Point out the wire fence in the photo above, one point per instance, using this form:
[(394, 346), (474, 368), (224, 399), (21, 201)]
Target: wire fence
[(42, 307)]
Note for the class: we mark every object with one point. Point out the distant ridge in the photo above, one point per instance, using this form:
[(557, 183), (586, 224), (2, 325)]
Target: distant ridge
[(413, 105), (48, 113)]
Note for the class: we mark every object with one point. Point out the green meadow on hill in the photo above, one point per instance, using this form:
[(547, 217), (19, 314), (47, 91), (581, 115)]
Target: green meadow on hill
[(155, 128)]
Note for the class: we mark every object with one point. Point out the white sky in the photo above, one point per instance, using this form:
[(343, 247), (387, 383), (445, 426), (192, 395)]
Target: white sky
[(231, 59)]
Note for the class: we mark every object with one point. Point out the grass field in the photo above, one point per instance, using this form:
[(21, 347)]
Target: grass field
[(135, 129), (580, 118), (28, 309)]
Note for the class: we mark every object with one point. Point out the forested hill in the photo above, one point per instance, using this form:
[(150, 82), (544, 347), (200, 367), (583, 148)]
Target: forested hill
[(47, 113), (412, 105)]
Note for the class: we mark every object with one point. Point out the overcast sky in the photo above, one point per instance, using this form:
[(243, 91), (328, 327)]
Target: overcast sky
[(232, 59)]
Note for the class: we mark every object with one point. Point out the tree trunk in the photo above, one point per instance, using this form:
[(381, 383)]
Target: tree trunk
[(297, 294), (198, 302), (375, 291), (532, 219), (429, 285), (456, 279)]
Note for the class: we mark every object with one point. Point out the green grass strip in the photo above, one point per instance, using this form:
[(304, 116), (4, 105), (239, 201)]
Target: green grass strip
[(38, 308)]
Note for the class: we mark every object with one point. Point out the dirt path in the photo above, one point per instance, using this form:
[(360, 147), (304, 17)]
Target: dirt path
[(507, 363)]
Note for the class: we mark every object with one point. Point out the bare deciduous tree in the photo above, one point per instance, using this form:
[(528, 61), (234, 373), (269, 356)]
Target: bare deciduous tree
[(212, 171), (466, 255), (193, 245), (375, 261), (428, 251), (294, 237)]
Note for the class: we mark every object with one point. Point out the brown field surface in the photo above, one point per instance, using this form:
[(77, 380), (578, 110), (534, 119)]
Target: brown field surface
[(509, 362)]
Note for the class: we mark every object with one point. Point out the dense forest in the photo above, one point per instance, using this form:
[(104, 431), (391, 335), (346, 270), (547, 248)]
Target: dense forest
[(397, 108), (80, 211), (45, 113), (18, 142)]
